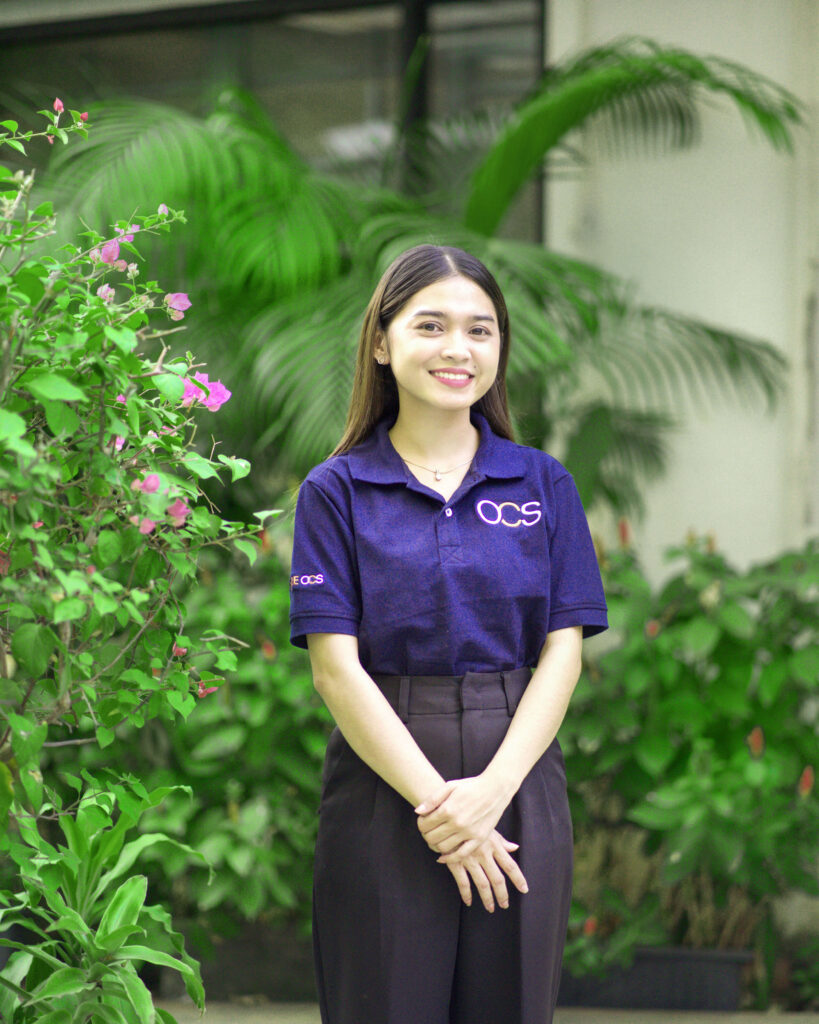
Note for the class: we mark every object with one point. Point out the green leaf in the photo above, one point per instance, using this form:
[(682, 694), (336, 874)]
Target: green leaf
[(138, 995), (184, 703), (124, 338), (11, 125), (220, 742), (200, 466), (52, 386), (11, 425), (699, 637), (69, 609), (267, 512), (61, 418), (152, 956), (124, 906), (105, 736), (249, 548), (653, 752), (32, 645), (108, 547), (61, 983), (238, 467), (171, 387), (736, 620)]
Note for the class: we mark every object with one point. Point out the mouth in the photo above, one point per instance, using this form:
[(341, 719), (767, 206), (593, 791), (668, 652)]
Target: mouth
[(452, 378)]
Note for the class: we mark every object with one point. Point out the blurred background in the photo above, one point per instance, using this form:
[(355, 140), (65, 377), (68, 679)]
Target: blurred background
[(641, 175)]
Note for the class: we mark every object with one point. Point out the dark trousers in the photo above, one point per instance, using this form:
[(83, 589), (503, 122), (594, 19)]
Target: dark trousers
[(393, 941)]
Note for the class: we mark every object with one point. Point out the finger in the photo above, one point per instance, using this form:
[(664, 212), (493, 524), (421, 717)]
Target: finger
[(462, 881), (458, 852), (498, 882), (435, 799), (482, 884), (512, 869)]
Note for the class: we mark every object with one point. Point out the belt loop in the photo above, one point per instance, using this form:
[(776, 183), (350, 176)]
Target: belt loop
[(511, 697), (403, 698)]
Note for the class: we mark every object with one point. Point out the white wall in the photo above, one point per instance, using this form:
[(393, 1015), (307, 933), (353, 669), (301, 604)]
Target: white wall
[(726, 232)]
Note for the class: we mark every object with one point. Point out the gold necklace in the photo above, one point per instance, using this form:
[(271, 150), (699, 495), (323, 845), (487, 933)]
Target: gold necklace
[(438, 472)]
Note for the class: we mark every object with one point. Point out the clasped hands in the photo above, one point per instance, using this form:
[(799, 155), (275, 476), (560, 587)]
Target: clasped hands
[(458, 822)]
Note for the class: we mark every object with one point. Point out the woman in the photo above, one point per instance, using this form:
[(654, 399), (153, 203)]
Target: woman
[(443, 578)]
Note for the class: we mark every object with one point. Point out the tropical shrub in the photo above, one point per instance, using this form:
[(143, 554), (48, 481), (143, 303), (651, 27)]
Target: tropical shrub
[(699, 726), (99, 533)]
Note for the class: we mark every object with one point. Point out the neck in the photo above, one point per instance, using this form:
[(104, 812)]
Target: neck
[(437, 438)]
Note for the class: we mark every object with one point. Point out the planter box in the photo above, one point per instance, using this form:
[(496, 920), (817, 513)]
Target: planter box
[(664, 978)]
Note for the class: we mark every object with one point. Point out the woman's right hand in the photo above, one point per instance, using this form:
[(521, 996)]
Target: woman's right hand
[(488, 868)]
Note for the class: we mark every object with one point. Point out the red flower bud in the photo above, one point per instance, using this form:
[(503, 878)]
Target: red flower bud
[(179, 652), (652, 628), (590, 925), (58, 105), (90, 569), (264, 540), (806, 780), (268, 649), (84, 115), (623, 532), (756, 741)]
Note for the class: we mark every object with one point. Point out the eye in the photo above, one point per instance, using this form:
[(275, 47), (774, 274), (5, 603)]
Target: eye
[(430, 323)]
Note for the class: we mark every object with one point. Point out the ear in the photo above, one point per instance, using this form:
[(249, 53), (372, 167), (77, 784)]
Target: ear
[(381, 352)]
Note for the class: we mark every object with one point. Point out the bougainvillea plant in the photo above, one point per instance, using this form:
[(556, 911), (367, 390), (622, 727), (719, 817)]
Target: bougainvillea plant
[(102, 517)]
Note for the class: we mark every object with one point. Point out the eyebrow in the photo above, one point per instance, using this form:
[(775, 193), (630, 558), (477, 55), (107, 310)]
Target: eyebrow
[(442, 316)]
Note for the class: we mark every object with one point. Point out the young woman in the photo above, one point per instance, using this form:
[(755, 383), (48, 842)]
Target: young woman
[(443, 578)]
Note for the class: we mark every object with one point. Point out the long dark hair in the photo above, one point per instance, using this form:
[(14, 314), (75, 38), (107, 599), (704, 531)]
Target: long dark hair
[(374, 390)]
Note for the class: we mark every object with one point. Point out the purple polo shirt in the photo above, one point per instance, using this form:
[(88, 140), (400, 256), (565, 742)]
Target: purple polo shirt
[(434, 587)]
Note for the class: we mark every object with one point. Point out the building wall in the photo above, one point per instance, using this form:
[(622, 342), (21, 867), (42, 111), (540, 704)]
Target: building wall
[(726, 232)]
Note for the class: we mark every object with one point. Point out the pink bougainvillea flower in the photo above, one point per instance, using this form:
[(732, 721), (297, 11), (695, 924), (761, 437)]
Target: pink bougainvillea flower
[(652, 628), (90, 569), (121, 265), (50, 139), (133, 270), (120, 398), (806, 781), (177, 300), (176, 314), (95, 255), (106, 292), (268, 649), (150, 485), (163, 209), (178, 512), (58, 105), (38, 524), (146, 525), (219, 394), (110, 251), (179, 652), (84, 115), (118, 443), (590, 925), (134, 520), (203, 690)]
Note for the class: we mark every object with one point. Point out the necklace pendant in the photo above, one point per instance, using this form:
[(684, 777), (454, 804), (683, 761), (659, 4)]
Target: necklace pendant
[(437, 474)]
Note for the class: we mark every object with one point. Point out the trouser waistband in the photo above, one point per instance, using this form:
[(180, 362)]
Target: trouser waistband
[(441, 695)]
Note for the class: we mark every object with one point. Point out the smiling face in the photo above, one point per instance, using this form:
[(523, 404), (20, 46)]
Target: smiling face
[(443, 346)]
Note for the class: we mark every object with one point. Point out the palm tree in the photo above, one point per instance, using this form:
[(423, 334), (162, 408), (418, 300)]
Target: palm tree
[(283, 257)]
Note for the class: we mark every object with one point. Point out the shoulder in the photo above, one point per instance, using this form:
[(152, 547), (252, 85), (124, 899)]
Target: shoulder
[(535, 463)]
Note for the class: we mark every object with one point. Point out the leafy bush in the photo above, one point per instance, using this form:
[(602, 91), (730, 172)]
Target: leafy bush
[(97, 540), (699, 725)]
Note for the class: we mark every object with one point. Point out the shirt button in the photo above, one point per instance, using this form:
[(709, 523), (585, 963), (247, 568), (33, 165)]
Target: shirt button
[(449, 512)]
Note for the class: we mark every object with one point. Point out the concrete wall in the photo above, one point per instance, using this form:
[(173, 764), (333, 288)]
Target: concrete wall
[(726, 232)]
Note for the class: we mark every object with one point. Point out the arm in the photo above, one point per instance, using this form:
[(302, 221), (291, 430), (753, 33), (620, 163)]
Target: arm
[(366, 719), (462, 813), (382, 741)]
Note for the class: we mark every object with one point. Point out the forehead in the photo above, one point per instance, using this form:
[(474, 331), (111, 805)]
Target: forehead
[(454, 296)]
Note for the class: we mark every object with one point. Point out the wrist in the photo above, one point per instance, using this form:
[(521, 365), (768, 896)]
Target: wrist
[(502, 781)]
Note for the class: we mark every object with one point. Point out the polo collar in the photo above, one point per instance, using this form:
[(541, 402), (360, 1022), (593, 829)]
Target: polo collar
[(375, 460)]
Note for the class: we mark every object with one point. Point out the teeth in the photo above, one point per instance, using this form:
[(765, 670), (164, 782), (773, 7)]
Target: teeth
[(452, 376)]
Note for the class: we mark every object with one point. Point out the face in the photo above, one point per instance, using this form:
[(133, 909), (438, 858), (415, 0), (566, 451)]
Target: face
[(443, 346)]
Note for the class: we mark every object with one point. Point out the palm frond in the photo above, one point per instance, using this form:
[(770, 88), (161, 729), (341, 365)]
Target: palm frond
[(647, 84), (610, 446)]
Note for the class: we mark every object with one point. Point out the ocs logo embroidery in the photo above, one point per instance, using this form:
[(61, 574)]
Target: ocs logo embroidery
[(508, 513), (307, 581)]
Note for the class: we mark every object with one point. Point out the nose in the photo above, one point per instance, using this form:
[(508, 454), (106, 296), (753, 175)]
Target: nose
[(455, 345)]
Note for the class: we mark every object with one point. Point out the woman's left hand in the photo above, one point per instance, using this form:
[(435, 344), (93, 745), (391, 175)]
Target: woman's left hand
[(458, 817)]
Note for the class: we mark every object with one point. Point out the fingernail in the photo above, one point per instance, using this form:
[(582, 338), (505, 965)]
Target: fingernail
[(525, 888), (505, 906)]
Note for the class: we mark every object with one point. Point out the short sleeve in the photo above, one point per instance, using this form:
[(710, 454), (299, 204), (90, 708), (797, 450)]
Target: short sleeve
[(577, 597), (325, 595)]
